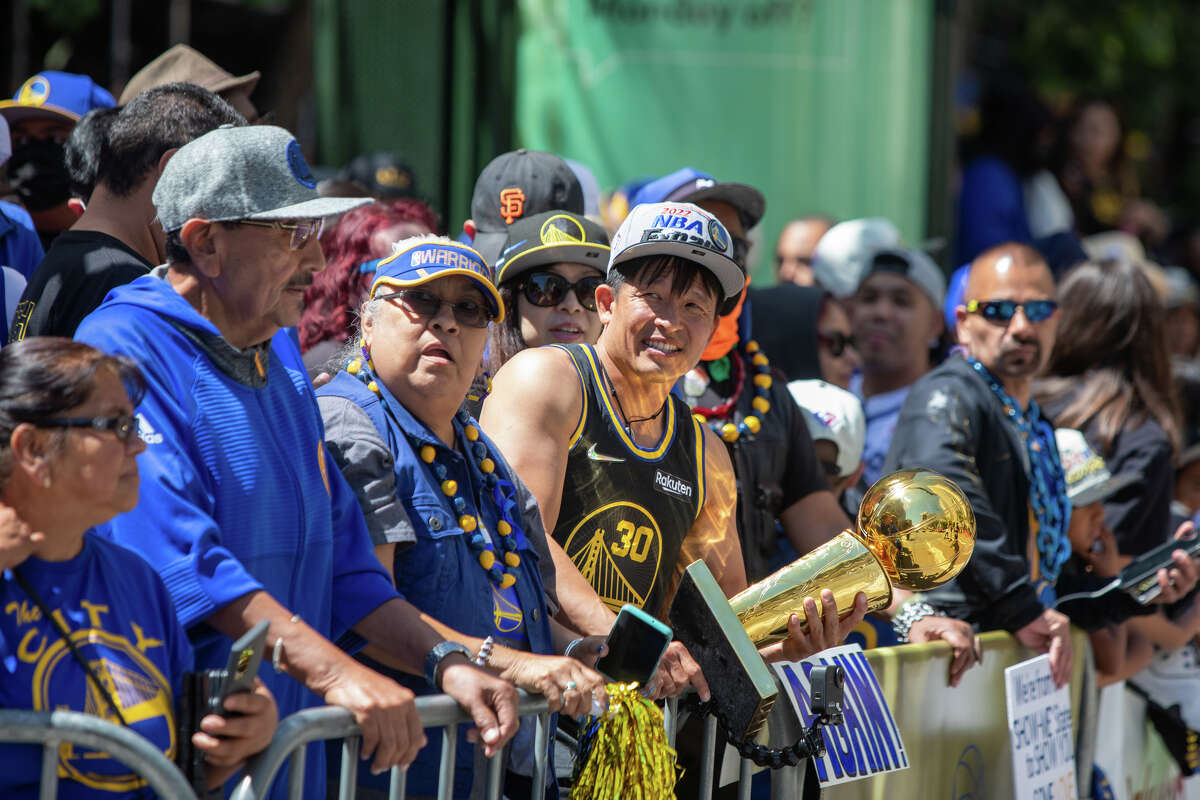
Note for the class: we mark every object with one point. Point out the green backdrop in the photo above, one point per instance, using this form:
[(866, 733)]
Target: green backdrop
[(821, 104)]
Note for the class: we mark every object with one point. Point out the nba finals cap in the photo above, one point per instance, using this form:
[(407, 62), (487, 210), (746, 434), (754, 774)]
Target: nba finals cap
[(422, 259), (517, 185), (552, 238), (247, 172), (914, 265), (693, 186), (834, 415), (1088, 478), (682, 230), (843, 253), (55, 95)]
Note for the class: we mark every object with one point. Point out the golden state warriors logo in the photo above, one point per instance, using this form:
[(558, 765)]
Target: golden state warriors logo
[(129, 679), (716, 232), (34, 92), (618, 549), (562, 229)]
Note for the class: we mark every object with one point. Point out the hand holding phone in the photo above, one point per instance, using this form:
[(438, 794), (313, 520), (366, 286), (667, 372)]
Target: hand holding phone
[(636, 644)]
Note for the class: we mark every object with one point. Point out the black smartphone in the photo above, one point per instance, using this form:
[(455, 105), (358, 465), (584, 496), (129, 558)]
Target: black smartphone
[(1140, 577), (241, 669), (636, 644)]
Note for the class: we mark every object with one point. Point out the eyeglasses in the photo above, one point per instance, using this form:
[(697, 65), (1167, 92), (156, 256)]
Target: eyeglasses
[(837, 342), (428, 304), (1002, 311), (302, 229), (125, 426), (547, 289)]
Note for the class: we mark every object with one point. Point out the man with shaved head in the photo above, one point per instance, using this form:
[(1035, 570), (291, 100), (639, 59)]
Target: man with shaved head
[(972, 419)]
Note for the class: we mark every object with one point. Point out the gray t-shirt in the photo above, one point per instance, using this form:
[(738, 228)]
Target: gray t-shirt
[(366, 462)]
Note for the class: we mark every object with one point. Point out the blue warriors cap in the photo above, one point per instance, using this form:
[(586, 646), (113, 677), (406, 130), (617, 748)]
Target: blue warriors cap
[(690, 185), (56, 95), (422, 260)]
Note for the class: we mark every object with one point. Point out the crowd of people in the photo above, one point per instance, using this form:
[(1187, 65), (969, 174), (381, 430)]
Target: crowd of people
[(231, 394)]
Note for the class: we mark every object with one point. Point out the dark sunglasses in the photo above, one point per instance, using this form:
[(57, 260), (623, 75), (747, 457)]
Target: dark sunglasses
[(125, 426), (547, 289), (837, 342), (428, 304), (1004, 310)]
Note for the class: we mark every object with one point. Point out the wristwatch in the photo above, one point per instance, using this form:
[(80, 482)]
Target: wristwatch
[(434, 659)]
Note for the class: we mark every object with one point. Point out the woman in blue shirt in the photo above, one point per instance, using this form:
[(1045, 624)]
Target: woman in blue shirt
[(112, 645)]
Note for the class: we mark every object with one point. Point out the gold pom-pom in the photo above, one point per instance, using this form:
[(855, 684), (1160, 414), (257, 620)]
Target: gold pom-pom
[(628, 756), (472, 433), (486, 559), (729, 432), (449, 488), (503, 528), (752, 424), (487, 465), (467, 522), (761, 405), (512, 559), (507, 580), (428, 454), (762, 381)]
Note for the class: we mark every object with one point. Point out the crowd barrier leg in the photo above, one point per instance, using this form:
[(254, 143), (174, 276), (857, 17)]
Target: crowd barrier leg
[(540, 737), (708, 757), (495, 771), (446, 768), (348, 781)]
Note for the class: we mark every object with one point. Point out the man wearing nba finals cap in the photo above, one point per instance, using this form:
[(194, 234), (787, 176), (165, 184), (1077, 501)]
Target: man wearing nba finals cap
[(262, 527), (624, 475), (41, 116)]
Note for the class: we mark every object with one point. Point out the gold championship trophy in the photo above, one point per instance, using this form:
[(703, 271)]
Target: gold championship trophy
[(916, 530)]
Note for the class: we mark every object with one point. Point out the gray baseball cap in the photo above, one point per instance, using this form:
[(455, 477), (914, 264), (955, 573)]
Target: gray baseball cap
[(248, 172)]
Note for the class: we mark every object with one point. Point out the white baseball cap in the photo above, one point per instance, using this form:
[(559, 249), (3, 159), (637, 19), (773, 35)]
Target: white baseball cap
[(1088, 478), (683, 230), (834, 415), (843, 253)]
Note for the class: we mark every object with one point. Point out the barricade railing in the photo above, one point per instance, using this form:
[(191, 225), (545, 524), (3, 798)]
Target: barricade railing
[(51, 729)]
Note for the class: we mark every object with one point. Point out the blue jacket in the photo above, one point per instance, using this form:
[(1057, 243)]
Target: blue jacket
[(20, 247), (236, 495), (439, 573), (991, 208)]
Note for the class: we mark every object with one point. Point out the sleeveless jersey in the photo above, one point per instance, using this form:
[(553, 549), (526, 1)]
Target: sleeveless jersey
[(626, 509)]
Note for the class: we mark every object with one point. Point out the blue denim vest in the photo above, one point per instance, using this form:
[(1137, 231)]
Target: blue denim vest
[(439, 573)]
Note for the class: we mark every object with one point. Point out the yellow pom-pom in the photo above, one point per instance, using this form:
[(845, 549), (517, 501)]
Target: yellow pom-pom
[(751, 347), (449, 488), (753, 424), (759, 360), (761, 405), (503, 528), (428, 454), (512, 559), (467, 522), (762, 381), (487, 465), (472, 433), (507, 581), (486, 559), (729, 432), (354, 366)]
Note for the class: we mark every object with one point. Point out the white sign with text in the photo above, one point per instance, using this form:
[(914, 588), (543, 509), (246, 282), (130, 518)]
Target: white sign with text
[(1039, 726)]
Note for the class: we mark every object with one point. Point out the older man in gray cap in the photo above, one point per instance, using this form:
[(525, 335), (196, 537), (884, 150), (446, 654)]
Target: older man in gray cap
[(238, 511)]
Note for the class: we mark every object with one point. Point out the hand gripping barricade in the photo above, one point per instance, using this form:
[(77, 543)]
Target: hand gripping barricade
[(915, 530)]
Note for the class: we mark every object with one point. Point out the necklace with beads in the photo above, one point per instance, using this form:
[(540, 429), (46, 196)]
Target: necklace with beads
[(751, 423), (501, 571)]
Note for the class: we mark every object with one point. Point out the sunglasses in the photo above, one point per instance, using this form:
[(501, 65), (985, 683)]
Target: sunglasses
[(302, 229), (547, 289), (837, 342), (427, 304), (125, 426), (1004, 310)]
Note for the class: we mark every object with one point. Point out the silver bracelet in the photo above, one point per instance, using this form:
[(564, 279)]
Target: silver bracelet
[(571, 647), (912, 611), (277, 651), (485, 651)]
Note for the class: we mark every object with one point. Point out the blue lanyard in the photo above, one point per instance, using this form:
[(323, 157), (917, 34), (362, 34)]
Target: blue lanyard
[(1047, 485)]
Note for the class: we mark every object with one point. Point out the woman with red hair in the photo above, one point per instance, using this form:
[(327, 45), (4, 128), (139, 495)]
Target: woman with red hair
[(360, 236)]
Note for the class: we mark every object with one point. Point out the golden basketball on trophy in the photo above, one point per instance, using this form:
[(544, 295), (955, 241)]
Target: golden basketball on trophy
[(915, 530)]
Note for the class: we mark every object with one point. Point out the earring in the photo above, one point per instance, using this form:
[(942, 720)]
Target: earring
[(45, 481)]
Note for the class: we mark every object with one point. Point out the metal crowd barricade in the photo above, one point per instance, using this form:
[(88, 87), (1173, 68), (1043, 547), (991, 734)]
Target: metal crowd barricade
[(54, 728), (435, 711)]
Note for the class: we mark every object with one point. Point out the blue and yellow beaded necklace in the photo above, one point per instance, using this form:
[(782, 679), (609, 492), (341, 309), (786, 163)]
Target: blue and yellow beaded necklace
[(751, 423), (501, 571)]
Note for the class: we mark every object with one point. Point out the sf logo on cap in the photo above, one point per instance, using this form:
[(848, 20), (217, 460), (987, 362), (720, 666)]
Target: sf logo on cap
[(512, 204)]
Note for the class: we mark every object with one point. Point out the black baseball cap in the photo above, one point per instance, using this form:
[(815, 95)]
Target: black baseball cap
[(690, 185), (517, 185), (551, 238), (383, 173)]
